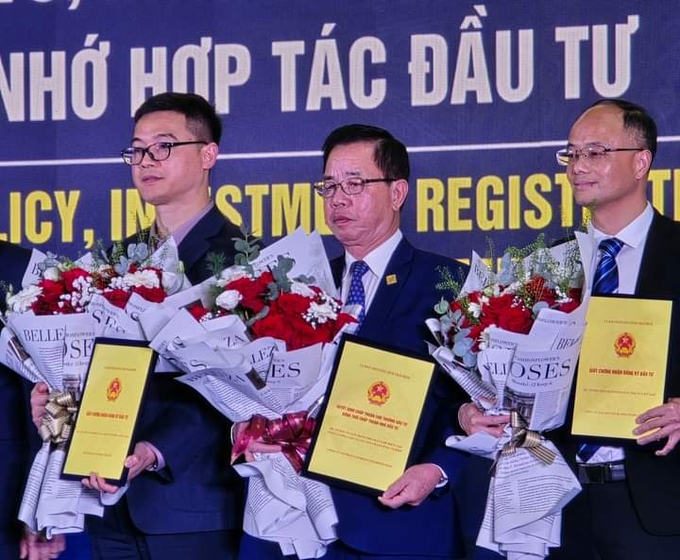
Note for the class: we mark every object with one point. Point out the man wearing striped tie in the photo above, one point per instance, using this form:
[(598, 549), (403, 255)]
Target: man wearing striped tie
[(364, 186), (628, 507)]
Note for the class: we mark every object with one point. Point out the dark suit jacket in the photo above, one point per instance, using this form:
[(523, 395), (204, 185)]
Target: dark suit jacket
[(16, 429), (397, 317), (197, 490), (654, 482)]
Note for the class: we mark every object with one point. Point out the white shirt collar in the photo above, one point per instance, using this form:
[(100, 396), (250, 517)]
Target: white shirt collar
[(378, 258), (633, 235)]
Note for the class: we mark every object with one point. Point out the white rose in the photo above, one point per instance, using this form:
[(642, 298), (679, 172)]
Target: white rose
[(230, 274), (51, 273), (21, 301), (145, 278), (301, 289), (322, 312), (475, 309), (229, 299)]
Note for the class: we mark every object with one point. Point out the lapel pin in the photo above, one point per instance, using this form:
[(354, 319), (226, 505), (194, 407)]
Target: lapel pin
[(391, 279)]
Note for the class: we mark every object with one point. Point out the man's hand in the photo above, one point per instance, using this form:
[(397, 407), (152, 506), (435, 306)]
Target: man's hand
[(472, 420), (412, 487), (254, 445), (39, 396), (34, 546), (665, 421), (142, 458)]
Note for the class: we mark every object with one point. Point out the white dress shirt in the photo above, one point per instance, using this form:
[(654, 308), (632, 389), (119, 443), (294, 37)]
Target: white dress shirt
[(376, 261), (628, 262)]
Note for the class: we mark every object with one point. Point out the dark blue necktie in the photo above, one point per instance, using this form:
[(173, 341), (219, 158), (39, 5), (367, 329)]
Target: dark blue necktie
[(607, 273), (356, 295), (606, 282)]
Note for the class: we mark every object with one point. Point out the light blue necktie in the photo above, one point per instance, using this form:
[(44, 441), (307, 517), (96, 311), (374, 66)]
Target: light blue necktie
[(356, 294), (606, 282)]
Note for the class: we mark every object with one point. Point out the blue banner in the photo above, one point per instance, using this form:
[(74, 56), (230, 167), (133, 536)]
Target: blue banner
[(482, 95)]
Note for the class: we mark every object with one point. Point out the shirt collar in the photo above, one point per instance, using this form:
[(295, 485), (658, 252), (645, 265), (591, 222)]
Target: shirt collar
[(378, 258), (634, 234), (181, 232)]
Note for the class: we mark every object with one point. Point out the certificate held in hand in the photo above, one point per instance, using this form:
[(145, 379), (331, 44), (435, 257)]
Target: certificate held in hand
[(365, 434), (107, 416), (623, 364)]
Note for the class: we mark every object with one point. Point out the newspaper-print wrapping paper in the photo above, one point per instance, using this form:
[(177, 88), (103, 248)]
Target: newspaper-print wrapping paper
[(243, 378), (529, 375), (56, 349)]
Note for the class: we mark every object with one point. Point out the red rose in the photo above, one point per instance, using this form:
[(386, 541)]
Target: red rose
[(150, 294), (272, 325), (70, 276), (197, 311), (494, 308), (117, 297), (292, 304), (252, 291), (516, 319), (51, 290)]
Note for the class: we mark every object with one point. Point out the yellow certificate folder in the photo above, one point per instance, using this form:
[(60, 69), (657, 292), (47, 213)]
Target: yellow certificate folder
[(109, 409), (365, 433), (623, 363)]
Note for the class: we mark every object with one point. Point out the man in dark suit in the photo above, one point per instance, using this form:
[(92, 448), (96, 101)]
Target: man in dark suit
[(628, 506), (184, 500), (364, 187)]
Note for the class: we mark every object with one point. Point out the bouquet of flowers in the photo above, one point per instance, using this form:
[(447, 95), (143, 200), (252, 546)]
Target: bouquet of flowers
[(51, 326), (511, 339), (260, 349)]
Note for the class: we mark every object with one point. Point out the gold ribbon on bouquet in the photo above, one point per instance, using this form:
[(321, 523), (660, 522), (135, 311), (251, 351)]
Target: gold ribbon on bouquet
[(57, 422), (528, 439)]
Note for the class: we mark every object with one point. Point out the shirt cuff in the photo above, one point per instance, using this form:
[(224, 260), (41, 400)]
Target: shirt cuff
[(443, 480), (160, 460)]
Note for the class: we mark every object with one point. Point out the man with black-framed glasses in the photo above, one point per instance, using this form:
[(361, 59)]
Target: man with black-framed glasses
[(184, 500), (364, 187), (628, 507)]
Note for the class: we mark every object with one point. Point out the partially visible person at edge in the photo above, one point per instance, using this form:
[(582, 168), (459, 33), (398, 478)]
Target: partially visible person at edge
[(364, 188), (628, 507), (17, 437), (184, 501)]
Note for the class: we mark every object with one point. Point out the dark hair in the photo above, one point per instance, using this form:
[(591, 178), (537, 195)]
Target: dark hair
[(637, 119), (389, 155), (202, 119)]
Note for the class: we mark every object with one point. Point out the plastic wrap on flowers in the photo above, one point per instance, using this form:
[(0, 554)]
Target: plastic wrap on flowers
[(511, 339)]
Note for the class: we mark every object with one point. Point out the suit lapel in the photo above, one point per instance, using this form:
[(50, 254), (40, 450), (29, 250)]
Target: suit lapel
[(337, 268), (390, 287), (197, 242), (651, 280)]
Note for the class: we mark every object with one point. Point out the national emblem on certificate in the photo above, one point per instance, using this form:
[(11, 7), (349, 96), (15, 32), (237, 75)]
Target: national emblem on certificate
[(108, 413), (622, 367), (365, 434)]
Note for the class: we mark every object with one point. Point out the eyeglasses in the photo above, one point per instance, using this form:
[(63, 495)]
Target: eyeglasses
[(158, 151), (593, 154), (351, 186)]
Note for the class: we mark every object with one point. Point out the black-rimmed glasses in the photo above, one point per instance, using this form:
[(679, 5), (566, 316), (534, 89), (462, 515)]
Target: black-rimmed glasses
[(593, 154), (351, 186), (158, 151)]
